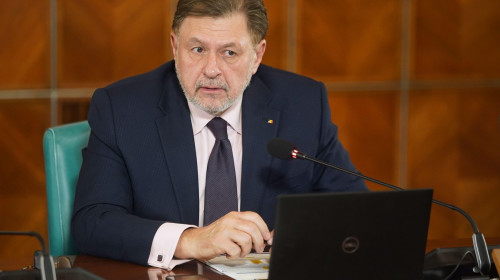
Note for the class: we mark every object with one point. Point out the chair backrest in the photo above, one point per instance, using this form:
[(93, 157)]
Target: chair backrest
[(62, 149)]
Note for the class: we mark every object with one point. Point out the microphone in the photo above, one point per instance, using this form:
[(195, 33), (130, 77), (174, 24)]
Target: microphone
[(46, 262), (285, 150)]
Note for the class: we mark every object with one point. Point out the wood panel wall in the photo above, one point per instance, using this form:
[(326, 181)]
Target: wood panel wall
[(414, 87)]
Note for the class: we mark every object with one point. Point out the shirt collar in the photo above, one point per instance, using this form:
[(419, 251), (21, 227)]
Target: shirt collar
[(232, 116)]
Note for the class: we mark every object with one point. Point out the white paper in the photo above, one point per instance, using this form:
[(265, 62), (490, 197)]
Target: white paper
[(253, 266)]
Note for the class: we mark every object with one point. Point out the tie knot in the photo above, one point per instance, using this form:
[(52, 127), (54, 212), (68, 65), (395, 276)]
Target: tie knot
[(218, 126)]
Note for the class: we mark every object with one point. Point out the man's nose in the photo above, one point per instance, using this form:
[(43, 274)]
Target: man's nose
[(211, 69)]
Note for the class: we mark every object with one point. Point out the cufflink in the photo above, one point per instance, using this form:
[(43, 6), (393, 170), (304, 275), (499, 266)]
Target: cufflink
[(160, 258)]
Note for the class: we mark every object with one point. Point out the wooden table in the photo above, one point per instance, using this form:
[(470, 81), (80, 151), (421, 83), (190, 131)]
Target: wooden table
[(110, 269), (495, 256), (195, 270)]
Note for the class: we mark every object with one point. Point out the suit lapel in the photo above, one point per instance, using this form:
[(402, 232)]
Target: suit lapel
[(176, 133), (259, 125)]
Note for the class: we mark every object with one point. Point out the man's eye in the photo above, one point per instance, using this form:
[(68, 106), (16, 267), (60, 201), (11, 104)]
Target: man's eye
[(230, 53), (198, 50)]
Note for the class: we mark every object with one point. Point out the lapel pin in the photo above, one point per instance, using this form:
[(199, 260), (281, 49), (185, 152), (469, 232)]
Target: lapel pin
[(270, 121)]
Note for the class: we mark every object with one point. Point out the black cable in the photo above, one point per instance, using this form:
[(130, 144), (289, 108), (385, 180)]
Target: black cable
[(458, 264)]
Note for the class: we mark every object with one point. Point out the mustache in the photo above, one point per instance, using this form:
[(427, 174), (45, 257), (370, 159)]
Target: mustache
[(211, 83)]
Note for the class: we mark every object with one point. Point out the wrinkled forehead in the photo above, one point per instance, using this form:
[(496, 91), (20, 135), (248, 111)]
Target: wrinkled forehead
[(230, 29), (230, 19)]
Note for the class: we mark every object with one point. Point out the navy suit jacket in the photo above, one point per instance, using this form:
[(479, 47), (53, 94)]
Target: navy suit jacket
[(139, 169)]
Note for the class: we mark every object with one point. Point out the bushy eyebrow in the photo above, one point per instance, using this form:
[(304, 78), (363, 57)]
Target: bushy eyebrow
[(231, 45), (195, 40)]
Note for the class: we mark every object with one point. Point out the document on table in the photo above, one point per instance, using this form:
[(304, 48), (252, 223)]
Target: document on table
[(253, 266)]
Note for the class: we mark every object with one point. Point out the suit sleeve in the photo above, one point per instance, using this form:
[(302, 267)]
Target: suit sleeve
[(102, 223), (331, 150)]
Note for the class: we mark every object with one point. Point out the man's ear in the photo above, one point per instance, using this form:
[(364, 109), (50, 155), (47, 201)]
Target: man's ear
[(260, 49), (174, 43)]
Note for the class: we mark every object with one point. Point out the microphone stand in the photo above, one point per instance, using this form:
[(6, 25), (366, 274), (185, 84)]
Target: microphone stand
[(478, 240), (47, 268)]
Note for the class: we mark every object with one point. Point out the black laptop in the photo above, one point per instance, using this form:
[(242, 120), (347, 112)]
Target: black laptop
[(362, 235)]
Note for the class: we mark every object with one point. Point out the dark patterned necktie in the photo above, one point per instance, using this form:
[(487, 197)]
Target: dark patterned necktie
[(220, 188)]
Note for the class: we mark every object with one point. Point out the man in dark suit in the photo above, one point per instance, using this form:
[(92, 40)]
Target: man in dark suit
[(145, 173)]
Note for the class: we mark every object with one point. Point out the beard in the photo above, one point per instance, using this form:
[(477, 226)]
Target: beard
[(214, 106)]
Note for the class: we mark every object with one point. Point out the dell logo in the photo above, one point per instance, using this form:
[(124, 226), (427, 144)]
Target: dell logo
[(350, 245)]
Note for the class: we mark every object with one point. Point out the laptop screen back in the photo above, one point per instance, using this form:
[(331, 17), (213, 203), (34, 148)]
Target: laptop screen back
[(365, 235)]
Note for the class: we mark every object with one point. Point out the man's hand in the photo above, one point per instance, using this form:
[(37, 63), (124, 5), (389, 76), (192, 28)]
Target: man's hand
[(235, 235)]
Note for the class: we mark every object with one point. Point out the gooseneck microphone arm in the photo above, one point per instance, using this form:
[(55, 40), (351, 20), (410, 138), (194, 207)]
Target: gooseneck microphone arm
[(47, 268), (285, 150), (359, 174)]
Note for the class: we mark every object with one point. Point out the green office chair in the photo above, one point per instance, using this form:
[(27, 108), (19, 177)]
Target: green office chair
[(62, 149)]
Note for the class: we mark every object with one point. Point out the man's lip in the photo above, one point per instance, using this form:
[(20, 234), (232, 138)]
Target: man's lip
[(211, 89)]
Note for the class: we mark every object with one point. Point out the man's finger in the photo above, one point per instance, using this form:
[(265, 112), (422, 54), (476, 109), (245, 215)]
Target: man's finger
[(258, 221)]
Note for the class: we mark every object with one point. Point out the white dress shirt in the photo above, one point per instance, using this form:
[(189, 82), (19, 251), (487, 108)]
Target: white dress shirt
[(167, 236)]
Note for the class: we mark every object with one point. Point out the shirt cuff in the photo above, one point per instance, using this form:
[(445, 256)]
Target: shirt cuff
[(164, 245)]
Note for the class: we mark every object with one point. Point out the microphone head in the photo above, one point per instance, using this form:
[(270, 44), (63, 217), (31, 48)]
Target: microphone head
[(281, 148)]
